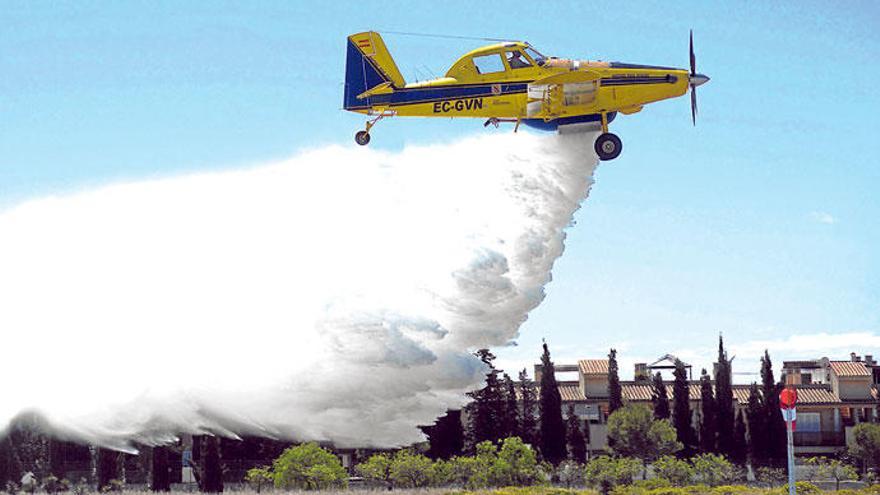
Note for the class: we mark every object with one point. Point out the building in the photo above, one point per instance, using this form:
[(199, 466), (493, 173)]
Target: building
[(833, 396)]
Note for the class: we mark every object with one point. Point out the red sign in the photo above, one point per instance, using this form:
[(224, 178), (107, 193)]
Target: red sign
[(787, 398)]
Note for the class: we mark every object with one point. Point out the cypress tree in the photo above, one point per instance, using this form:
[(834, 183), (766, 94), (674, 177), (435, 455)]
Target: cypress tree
[(211, 472), (724, 413), (757, 435), (574, 436), (511, 408), (552, 426), (108, 463), (160, 480), (445, 436), (740, 444), (681, 412), (528, 424), (486, 412), (615, 395), (6, 471), (660, 398), (707, 414), (774, 424)]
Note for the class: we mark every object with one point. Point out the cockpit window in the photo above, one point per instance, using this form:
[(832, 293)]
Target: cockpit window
[(488, 64), (516, 60), (536, 55)]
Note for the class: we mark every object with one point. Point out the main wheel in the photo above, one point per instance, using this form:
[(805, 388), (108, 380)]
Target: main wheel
[(362, 138), (608, 146)]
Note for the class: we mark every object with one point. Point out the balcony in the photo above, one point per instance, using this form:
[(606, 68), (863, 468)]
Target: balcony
[(820, 438)]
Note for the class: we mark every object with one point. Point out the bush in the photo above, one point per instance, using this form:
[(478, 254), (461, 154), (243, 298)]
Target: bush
[(713, 470), (570, 473), (731, 490), (605, 473), (308, 467), (410, 470), (771, 476), (516, 464), (259, 477), (113, 486), (51, 484), (803, 488), (675, 471)]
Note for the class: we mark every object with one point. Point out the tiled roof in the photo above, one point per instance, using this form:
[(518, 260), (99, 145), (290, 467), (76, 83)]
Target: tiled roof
[(593, 366), (816, 395), (849, 368), (571, 391)]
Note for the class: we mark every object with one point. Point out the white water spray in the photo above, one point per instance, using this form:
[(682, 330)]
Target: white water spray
[(334, 296)]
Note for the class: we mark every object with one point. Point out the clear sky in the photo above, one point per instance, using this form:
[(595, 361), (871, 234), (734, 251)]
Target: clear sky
[(763, 222)]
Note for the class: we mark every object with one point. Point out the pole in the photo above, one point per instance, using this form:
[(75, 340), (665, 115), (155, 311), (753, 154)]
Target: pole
[(790, 444)]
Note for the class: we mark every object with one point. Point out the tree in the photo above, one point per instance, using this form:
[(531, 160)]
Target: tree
[(836, 470), (773, 423), (552, 426), (676, 471), (409, 470), (707, 414), (615, 394), (724, 412), (865, 446), (757, 438), (740, 444), (516, 464), (528, 425), (681, 413), (160, 480), (108, 464), (605, 473), (377, 469), (510, 417), (577, 446), (486, 412), (713, 470), (308, 467), (633, 432), (660, 398), (209, 472), (445, 436), (259, 477)]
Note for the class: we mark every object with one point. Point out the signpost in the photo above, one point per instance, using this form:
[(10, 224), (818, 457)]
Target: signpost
[(787, 401)]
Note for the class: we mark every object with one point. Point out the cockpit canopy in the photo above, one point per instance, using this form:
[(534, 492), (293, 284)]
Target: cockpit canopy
[(492, 61)]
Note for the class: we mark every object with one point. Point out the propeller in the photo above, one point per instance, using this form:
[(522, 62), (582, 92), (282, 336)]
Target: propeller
[(694, 80)]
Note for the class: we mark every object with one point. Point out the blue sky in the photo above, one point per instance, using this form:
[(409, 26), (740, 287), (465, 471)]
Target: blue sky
[(761, 222)]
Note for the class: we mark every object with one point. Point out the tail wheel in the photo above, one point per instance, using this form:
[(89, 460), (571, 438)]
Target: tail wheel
[(362, 138), (608, 146)]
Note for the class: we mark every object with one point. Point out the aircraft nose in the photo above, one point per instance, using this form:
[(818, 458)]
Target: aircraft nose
[(698, 79)]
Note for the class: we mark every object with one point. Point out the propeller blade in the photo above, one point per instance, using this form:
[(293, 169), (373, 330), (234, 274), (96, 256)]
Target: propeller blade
[(694, 105), (693, 57)]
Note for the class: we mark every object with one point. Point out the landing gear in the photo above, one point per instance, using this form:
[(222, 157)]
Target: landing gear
[(608, 146), (362, 138)]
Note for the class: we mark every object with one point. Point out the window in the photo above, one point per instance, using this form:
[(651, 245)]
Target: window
[(488, 64), (536, 56), (516, 60), (808, 422)]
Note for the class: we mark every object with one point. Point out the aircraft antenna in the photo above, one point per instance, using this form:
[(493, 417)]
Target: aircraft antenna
[(448, 36)]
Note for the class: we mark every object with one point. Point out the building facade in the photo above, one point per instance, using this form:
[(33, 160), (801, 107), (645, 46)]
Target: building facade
[(833, 396)]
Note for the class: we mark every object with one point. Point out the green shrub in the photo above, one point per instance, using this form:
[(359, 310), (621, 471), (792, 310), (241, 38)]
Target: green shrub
[(516, 464), (675, 471), (308, 467), (731, 490), (259, 477), (605, 473), (713, 470), (803, 488), (652, 484), (409, 470)]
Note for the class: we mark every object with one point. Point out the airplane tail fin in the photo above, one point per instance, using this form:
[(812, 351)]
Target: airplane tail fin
[(368, 64)]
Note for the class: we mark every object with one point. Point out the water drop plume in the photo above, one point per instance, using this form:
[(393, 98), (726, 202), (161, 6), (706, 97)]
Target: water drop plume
[(337, 295)]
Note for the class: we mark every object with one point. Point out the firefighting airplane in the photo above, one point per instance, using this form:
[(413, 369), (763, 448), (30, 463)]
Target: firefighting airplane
[(513, 82)]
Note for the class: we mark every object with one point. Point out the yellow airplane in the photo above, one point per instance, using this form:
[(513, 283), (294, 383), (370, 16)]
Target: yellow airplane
[(513, 82)]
